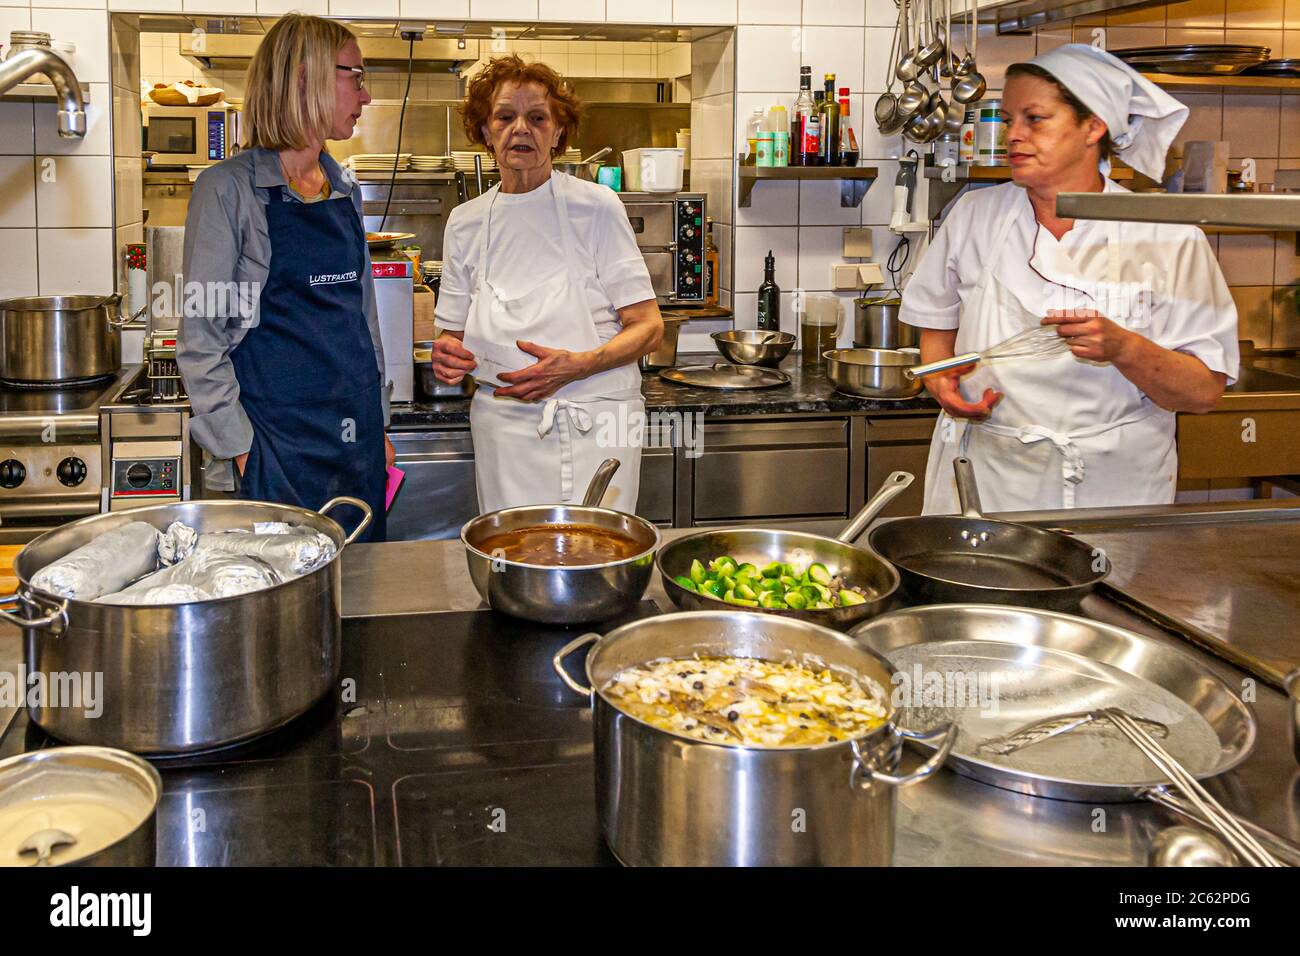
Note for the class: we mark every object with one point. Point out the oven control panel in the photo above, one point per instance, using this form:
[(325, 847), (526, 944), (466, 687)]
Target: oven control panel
[(146, 477), (688, 265)]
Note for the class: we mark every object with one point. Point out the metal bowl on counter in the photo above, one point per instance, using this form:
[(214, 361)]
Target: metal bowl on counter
[(665, 799), (78, 806), (753, 347), (433, 389), (873, 373), (185, 678), (560, 593)]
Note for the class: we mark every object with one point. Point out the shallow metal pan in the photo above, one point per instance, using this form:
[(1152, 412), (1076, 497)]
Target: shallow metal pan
[(967, 557), (1057, 664)]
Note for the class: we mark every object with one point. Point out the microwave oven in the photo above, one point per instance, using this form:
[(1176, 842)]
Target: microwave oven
[(670, 230), (191, 135)]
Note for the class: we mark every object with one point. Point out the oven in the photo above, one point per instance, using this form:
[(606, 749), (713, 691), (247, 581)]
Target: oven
[(670, 233), (191, 135)]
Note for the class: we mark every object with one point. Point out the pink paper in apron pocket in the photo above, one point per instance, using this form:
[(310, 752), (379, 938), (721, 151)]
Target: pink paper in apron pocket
[(395, 478)]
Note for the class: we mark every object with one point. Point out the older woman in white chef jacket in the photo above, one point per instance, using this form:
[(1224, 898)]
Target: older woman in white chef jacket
[(547, 300), (1151, 327)]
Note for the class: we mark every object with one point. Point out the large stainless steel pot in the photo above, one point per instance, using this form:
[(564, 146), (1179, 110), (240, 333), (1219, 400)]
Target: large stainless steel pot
[(552, 594), (666, 800), (876, 325), (61, 338), (183, 678)]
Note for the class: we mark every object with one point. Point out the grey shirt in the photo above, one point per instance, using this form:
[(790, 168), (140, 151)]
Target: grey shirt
[(227, 261)]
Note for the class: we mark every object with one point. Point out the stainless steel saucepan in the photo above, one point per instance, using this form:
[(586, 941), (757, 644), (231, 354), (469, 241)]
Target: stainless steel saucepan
[(856, 566), (952, 559), (553, 594), (61, 338)]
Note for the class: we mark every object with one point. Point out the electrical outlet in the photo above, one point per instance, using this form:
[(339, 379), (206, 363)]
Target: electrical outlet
[(857, 243)]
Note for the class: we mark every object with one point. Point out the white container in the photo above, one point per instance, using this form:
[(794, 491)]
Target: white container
[(657, 170)]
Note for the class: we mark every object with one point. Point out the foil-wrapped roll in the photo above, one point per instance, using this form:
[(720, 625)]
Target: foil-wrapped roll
[(211, 573), (292, 550), (177, 543), (106, 564)]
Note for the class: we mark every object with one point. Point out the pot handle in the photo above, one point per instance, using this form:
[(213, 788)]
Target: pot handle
[(557, 662), (55, 621), (863, 765), (367, 514), (968, 492), (890, 488), (122, 318)]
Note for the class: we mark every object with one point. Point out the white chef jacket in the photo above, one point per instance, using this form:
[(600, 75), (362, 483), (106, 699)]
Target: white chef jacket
[(525, 251), (1191, 311)]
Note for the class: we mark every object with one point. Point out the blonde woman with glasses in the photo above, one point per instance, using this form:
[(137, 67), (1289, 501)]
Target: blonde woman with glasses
[(285, 375)]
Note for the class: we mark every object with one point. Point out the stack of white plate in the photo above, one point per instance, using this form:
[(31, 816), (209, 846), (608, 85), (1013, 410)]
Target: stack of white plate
[(431, 164), (571, 155), (463, 160), (378, 162)]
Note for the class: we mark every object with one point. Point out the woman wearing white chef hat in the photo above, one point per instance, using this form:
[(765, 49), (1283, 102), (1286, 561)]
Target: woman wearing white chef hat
[(1151, 327)]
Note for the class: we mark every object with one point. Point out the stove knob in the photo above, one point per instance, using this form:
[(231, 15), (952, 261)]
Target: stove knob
[(139, 475), (12, 473), (71, 472)]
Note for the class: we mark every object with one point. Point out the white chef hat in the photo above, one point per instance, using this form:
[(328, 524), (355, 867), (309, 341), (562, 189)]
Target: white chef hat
[(1142, 118)]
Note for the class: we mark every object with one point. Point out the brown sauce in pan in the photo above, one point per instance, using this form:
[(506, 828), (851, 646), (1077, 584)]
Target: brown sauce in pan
[(562, 545)]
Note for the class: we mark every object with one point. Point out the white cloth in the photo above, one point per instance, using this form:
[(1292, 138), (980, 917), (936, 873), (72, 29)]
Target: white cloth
[(545, 452), (527, 250), (1068, 432), (1142, 119)]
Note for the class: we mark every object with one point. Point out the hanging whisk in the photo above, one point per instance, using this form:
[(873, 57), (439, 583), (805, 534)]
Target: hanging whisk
[(1038, 342)]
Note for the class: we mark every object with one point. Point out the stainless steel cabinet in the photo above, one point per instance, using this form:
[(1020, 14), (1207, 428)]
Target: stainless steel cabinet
[(899, 444), (439, 493), (790, 468)]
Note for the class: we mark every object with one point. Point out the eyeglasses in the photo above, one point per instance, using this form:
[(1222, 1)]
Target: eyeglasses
[(358, 74)]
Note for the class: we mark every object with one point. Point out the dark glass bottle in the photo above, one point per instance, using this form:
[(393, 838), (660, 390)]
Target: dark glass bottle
[(830, 125), (769, 298), (804, 147)]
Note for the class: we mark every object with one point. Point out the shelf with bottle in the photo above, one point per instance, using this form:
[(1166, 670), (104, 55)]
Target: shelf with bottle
[(854, 180)]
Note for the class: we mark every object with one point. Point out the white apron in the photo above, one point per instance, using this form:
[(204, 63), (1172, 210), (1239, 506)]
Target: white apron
[(546, 452), (1068, 432)]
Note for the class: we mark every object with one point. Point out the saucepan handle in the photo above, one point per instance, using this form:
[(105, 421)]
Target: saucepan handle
[(968, 492), (943, 365), (54, 621), (122, 318), (946, 734), (557, 662), (890, 488), (366, 514)]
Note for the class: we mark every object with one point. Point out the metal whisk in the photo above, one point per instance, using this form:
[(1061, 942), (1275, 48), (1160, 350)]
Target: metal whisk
[(1038, 342)]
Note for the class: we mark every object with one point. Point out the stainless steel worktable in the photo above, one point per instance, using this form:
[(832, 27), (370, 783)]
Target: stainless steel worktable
[(950, 820)]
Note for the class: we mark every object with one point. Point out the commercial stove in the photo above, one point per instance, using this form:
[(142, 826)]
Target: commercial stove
[(452, 742), (83, 448)]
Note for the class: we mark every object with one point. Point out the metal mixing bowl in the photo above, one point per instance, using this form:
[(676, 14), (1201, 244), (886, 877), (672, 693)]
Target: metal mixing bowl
[(873, 373), (752, 347)]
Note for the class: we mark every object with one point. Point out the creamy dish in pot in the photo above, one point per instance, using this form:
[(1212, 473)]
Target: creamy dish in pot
[(749, 702)]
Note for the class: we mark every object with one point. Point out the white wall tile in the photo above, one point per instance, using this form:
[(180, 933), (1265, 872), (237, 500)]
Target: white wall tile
[(74, 191), (767, 58), (14, 18), (124, 52), (638, 65), (745, 306), (878, 203), (17, 192), (704, 11), (752, 245), (639, 11), (838, 13), (580, 10), (723, 239), (883, 13), (277, 7), (694, 336), (1247, 259), (76, 4), (873, 145), (1289, 144), (88, 29), (768, 11), (16, 129), (98, 138), (76, 260), (877, 45), (713, 177), (506, 10), (354, 8), (834, 50), (713, 65), (18, 264), (820, 247), (582, 64), (819, 205), (435, 8), (146, 6), (151, 58), (1251, 124), (1205, 121), (609, 64), (128, 189), (711, 127)]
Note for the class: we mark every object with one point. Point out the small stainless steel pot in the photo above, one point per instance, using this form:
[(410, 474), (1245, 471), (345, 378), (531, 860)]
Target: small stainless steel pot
[(754, 347), (876, 325), (667, 800), (665, 355), (101, 768), (552, 594), (433, 389), (61, 338), (183, 678), (873, 373)]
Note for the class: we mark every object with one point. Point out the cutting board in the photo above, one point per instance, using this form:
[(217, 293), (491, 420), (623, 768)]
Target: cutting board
[(8, 583)]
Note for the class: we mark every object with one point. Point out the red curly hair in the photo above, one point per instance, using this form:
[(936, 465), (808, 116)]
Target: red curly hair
[(477, 108)]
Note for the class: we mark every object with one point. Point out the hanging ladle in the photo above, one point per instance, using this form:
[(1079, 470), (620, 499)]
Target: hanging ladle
[(971, 85), (933, 49), (908, 68), (887, 103)]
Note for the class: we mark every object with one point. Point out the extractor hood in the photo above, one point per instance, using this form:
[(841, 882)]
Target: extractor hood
[(1280, 211), (232, 51)]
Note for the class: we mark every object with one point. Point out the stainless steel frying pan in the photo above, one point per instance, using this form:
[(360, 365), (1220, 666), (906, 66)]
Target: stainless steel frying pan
[(967, 558), (858, 566)]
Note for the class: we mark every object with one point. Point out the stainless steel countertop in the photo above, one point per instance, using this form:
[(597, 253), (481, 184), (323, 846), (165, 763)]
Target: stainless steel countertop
[(950, 820)]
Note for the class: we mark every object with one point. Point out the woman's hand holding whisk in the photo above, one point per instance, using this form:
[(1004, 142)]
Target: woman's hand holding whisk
[(1091, 335)]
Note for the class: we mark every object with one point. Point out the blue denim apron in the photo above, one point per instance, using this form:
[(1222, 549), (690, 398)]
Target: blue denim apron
[(308, 379)]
